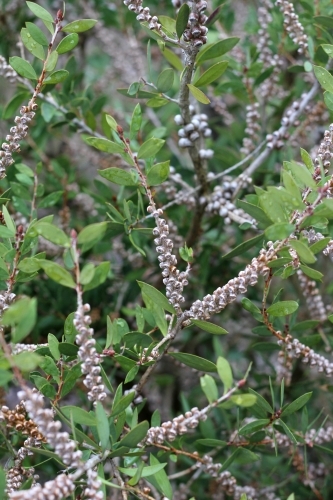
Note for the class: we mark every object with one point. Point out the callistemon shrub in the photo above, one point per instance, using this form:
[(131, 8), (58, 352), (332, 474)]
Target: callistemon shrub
[(166, 250)]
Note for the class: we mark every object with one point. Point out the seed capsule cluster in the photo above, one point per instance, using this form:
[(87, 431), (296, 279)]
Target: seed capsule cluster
[(195, 31), (88, 355), (174, 280), (222, 296), (314, 301), (17, 133), (7, 71), (43, 418), (58, 489), (191, 132), (292, 25), (252, 128), (221, 203), (143, 13), (298, 350), (176, 427)]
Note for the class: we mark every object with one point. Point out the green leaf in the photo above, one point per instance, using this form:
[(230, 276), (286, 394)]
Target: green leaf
[(254, 426), (68, 43), (324, 78), (328, 49), (103, 428), (35, 48), (312, 273), (79, 416), (14, 104), (209, 327), (225, 373), (87, 273), (21, 316), (22, 67), (279, 231), (50, 368), (160, 479), (303, 252), (288, 431), (56, 77), (171, 57), (158, 172), (54, 346), (122, 404), (119, 176), (51, 199), (283, 308), (92, 233), (213, 443), (307, 160), (100, 275), (52, 61), (156, 296), (105, 145), (198, 94), (193, 361), (244, 400), (301, 174), (216, 49), (246, 245), (256, 212), (37, 34), (52, 233), (165, 79), (40, 12), (262, 403), (212, 74), (135, 122), (79, 26), (182, 19), (3, 483), (157, 102), (135, 435), (319, 245), (297, 404), (57, 273), (111, 122), (208, 385), (150, 148), (252, 308), (8, 220)]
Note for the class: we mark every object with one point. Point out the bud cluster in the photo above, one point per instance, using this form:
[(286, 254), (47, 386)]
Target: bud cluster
[(284, 367), (221, 297), (143, 14), (176, 427), (252, 128), (7, 71), (325, 150), (17, 133), (191, 132), (17, 348), (195, 31), (292, 25), (88, 355), (5, 300), (93, 489), (314, 301), (173, 279), (296, 349), (264, 18)]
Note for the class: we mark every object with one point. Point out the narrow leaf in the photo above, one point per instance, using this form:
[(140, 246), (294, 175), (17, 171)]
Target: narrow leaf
[(182, 19), (198, 94)]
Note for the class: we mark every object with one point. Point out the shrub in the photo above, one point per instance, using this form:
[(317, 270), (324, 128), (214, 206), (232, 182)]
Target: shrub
[(165, 250)]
